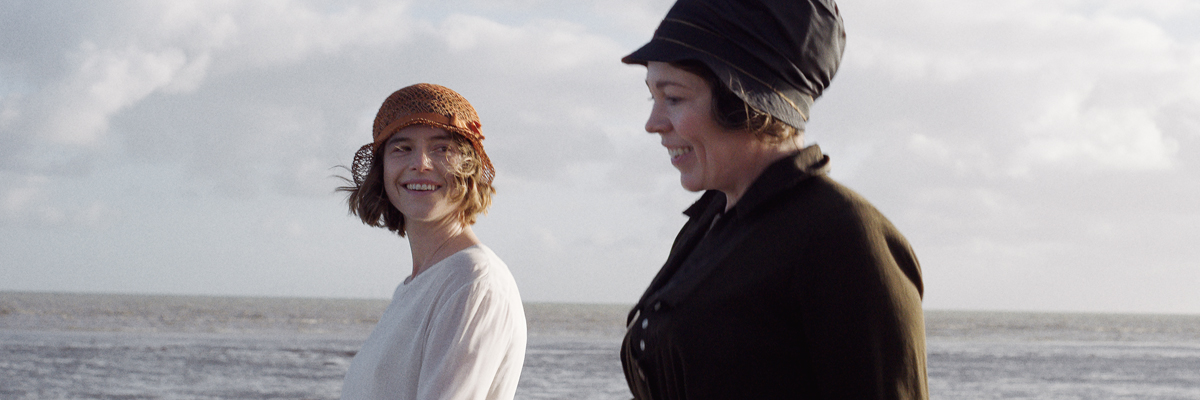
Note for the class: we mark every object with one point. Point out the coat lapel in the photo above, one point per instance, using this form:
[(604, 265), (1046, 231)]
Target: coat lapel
[(703, 253), (702, 213)]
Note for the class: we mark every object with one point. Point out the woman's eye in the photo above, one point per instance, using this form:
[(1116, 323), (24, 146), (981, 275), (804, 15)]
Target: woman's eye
[(668, 100)]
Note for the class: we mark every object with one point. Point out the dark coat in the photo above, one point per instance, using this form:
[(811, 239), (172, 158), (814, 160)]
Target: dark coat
[(802, 290)]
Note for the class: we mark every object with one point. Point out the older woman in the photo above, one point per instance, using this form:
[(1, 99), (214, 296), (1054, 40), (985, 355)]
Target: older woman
[(455, 328), (783, 283)]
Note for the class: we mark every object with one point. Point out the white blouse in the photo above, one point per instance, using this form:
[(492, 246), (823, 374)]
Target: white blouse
[(454, 331)]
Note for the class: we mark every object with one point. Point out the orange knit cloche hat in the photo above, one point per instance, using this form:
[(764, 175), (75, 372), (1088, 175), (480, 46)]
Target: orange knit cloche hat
[(425, 104)]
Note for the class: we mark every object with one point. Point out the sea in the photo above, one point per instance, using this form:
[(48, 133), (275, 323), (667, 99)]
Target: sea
[(116, 346)]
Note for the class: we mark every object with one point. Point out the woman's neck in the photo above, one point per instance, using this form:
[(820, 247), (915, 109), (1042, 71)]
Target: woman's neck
[(758, 158), (430, 243)]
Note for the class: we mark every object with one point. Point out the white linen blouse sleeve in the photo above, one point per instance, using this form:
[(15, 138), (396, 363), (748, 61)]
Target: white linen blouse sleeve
[(470, 335)]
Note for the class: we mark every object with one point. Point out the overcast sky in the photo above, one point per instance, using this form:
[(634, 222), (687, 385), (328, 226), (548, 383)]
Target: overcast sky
[(1039, 155)]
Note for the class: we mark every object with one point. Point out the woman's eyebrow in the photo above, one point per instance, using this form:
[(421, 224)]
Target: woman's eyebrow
[(404, 139), (664, 83), (395, 139)]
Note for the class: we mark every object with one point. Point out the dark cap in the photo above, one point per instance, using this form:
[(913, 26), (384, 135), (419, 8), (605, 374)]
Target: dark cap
[(776, 55)]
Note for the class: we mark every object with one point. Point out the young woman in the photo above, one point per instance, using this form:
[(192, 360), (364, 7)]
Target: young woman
[(783, 284), (455, 328)]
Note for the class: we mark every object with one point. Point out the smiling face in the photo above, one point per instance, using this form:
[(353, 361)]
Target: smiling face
[(417, 165), (707, 156)]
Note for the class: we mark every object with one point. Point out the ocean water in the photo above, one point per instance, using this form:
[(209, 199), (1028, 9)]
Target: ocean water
[(77, 346)]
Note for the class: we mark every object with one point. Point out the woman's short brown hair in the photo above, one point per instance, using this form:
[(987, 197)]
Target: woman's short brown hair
[(470, 189), (733, 113), (434, 106)]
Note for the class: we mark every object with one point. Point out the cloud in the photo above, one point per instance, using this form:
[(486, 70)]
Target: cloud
[(1023, 144), (491, 61), (170, 49), (1103, 137), (544, 84), (1080, 86), (256, 95), (107, 82), (34, 201), (274, 32)]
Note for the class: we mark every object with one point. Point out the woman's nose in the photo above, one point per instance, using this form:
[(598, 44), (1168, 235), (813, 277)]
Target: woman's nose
[(422, 162), (657, 122)]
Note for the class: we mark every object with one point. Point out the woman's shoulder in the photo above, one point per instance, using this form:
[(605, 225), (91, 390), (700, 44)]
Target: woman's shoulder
[(821, 195), (823, 203), (482, 279), (478, 260), (480, 268)]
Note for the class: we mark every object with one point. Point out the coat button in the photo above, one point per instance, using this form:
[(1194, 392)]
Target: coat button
[(642, 344), (657, 306), (645, 322)]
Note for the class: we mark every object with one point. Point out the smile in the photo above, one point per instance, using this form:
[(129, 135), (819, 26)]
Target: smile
[(675, 152), (421, 187)]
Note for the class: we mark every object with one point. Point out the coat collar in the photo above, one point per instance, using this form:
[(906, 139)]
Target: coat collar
[(782, 175), (778, 177)]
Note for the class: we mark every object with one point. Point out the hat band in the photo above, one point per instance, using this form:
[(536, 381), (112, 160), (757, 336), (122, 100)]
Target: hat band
[(469, 129)]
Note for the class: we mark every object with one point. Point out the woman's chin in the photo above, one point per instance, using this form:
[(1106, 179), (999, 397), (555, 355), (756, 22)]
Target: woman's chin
[(690, 185)]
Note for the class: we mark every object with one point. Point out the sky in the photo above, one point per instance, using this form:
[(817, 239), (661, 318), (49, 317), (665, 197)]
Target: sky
[(1038, 155)]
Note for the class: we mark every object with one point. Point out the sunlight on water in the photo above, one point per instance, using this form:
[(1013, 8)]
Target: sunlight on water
[(134, 347)]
